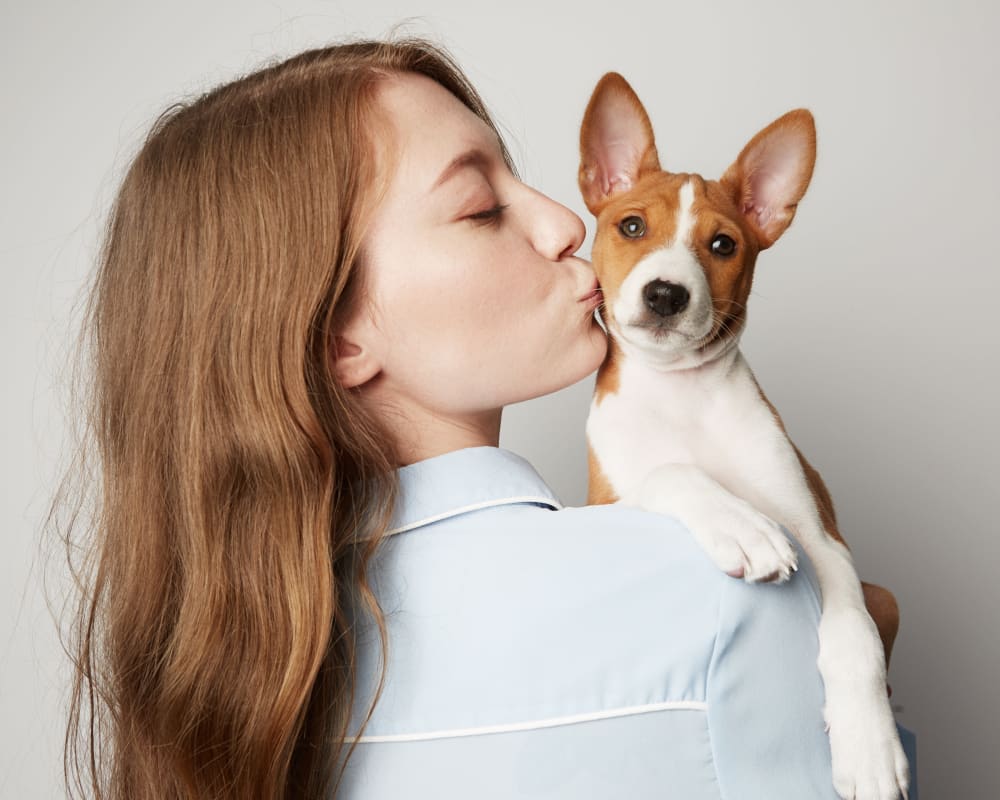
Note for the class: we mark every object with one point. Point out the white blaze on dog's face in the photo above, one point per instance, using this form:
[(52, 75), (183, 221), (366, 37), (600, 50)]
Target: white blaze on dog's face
[(675, 253), (658, 297)]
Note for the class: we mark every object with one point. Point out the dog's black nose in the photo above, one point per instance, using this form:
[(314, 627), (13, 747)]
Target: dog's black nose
[(665, 298)]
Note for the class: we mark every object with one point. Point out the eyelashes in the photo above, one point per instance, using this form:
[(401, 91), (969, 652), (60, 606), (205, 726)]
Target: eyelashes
[(491, 216)]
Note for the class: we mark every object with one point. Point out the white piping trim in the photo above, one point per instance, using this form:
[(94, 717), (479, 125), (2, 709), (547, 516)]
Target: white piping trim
[(474, 507), (670, 705)]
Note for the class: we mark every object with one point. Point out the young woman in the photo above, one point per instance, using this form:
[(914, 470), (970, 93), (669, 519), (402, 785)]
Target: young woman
[(320, 285)]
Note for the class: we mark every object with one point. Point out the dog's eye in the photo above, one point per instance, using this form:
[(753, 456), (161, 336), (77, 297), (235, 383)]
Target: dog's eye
[(632, 227), (723, 245)]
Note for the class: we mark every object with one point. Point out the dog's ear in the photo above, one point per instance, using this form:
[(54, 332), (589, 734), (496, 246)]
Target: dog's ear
[(616, 142), (771, 174)]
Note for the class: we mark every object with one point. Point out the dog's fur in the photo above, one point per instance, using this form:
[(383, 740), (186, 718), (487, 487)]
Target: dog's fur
[(678, 423)]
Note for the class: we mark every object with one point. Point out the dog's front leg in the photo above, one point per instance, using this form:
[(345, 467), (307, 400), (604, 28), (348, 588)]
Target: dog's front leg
[(868, 759), (741, 541)]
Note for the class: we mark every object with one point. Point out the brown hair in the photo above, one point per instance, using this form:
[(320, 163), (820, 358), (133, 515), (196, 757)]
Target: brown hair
[(241, 492)]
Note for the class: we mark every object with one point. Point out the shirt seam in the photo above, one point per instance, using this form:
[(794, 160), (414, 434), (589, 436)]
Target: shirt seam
[(536, 724), (708, 678)]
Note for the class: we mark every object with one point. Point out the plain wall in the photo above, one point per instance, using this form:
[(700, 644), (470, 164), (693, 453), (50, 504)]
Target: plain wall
[(872, 323)]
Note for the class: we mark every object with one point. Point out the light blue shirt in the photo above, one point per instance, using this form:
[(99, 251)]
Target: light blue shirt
[(596, 652)]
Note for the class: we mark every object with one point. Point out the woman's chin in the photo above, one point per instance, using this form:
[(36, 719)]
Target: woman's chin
[(593, 349)]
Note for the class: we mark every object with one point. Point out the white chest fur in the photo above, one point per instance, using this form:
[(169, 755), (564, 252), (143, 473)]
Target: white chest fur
[(712, 416)]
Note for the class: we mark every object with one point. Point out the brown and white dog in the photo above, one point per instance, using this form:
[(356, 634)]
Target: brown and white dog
[(678, 423)]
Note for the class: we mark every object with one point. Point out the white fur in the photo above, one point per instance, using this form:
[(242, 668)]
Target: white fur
[(690, 436)]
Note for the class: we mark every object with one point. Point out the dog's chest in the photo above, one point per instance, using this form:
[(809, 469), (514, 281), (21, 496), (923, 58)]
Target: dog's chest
[(716, 419)]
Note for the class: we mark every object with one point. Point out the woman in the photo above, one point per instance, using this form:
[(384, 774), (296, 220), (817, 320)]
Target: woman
[(320, 285)]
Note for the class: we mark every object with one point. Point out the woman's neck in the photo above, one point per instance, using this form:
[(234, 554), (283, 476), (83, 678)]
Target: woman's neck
[(424, 435)]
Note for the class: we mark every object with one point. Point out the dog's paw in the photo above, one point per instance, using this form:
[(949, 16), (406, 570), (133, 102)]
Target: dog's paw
[(741, 541), (868, 758)]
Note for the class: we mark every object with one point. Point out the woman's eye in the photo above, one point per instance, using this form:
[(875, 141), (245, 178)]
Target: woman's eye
[(632, 227), (723, 245), (490, 215)]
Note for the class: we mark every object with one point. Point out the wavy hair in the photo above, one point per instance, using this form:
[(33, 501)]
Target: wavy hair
[(238, 492)]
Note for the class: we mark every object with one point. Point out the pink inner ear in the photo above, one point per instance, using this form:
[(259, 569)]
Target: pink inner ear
[(619, 139), (774, 173), (618, 158)]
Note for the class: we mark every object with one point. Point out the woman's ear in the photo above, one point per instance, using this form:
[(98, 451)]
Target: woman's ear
[(354, 362)]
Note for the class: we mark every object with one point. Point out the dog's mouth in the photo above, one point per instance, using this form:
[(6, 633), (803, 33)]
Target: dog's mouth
[(662, 330), (666, 338), (644, 333)]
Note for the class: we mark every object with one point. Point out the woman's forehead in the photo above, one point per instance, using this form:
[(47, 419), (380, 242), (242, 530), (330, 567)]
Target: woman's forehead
[(431, 130)]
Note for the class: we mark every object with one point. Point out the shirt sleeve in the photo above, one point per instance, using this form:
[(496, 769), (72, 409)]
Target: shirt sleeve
[(764, 692)]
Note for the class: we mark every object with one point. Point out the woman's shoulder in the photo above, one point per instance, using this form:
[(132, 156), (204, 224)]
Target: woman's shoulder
[(504, 613), (527, 559)]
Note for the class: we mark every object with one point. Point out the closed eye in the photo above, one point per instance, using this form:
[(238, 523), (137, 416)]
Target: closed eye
[(490, 216)]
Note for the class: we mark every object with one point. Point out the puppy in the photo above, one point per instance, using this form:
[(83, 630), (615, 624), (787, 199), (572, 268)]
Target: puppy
[(678, 423)]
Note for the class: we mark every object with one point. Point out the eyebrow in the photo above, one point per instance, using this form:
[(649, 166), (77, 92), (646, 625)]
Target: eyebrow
[(470, 158)]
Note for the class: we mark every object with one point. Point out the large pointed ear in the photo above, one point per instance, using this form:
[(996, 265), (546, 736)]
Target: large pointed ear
[(771, 174), (616, 142)]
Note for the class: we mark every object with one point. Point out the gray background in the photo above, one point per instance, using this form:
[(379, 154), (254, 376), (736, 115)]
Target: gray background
[(872, 324)]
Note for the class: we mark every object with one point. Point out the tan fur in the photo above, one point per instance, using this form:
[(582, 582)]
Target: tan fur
[(608, 373), (599, 490)]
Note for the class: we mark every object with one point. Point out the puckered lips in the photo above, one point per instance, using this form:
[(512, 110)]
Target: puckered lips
[(593, 296)]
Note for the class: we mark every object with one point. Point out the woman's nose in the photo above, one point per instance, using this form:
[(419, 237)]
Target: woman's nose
[(558, 232)]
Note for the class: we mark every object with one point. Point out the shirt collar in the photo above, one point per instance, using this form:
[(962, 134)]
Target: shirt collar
[(465, 480)]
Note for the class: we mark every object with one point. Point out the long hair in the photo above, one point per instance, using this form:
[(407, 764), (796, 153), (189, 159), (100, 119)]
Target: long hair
[(238, 492)]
